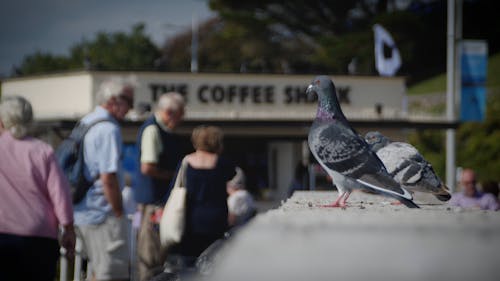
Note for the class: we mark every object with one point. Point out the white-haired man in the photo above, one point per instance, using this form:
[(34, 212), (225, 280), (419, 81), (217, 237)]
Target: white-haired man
[(160, 151), (99, 216)]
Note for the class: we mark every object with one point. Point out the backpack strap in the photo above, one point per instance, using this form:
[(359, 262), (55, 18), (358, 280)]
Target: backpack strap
[(91, 124), (87, 128)]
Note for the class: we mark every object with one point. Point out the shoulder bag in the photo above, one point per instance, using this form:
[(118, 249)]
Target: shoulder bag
[(173, 218)]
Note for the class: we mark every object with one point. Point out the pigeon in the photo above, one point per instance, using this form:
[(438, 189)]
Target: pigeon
[(344, 154), (407, 166)]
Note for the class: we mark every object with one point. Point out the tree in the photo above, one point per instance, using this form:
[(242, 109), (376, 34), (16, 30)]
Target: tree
[(478, 144), (39, 63), (118, 51), (324, 36), (108, 51)]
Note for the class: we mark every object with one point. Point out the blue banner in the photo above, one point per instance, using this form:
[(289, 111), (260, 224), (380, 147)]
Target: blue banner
[(474, 70), (473, 103)]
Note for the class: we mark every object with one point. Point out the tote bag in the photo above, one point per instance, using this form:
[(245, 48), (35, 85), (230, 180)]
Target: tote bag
[(173, 218)]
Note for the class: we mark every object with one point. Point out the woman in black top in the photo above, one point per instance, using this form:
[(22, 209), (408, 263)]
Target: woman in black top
[(206, 176)]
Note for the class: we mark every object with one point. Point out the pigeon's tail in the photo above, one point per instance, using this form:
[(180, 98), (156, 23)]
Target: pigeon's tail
[(404, 197), (408, 203)]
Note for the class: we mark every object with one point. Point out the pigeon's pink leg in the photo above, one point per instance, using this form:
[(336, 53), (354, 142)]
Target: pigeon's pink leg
[(340, 202), (343, 203)]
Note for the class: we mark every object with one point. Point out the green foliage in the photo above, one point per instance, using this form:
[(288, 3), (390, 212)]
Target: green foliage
[(324, 36), (113, 51), (438, 83), (431, 85), (39, 63), (478, 143), (290, 37), (118, 51), (493, 79)]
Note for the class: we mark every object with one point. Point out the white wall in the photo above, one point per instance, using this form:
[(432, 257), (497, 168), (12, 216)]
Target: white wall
[(263, 97), (54, 97)]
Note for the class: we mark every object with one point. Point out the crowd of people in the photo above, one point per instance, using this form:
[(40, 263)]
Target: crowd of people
[(36, 192), (38, 215)]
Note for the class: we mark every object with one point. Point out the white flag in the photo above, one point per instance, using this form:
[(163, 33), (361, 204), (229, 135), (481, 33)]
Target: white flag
[(390, 65)]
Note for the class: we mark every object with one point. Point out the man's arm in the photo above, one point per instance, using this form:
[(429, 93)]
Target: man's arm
[(112, 192), (151, 148), (152, 170)]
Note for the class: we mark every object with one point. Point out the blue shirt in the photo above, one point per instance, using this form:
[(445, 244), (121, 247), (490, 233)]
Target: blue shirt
[(102, 151)]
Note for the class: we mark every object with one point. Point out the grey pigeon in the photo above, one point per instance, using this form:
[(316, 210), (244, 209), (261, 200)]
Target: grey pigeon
[(344, 154), (407, 166)]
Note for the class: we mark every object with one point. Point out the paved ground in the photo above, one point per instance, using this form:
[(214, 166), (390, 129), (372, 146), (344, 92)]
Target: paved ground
[(370, 240)]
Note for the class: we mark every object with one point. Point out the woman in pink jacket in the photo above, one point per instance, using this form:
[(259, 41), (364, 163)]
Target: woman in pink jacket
[(34, 199)]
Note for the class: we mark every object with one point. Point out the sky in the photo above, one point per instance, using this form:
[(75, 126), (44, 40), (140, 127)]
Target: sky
[(53, 26)]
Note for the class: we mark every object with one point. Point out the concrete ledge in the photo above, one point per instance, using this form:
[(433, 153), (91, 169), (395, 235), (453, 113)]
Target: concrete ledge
[(370, 240)]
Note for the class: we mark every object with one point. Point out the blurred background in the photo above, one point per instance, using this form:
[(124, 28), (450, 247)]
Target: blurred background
[(293, 38)]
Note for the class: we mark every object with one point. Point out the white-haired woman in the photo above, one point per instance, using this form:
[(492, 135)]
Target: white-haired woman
[(34, 199)]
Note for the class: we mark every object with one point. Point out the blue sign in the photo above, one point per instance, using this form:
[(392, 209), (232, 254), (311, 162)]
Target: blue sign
[(474, 63), (473, 103), (129, 160)]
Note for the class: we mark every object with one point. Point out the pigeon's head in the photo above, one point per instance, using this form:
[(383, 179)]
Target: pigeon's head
[(443, 193), (376, 140), (328, 105)]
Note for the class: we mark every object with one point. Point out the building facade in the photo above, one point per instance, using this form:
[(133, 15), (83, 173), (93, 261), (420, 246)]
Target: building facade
[(265, 117)]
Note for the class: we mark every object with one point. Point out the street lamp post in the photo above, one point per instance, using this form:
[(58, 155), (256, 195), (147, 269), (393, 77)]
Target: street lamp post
[(454, 27), (194, 44)]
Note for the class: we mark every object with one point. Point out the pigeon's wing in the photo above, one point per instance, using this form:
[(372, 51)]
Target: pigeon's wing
[(342, 150), (403, 162), (408, 167), (339, 148)]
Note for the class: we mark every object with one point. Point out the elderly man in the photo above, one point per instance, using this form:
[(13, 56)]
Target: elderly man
[(160, 151), (99, 216), (470, 197)]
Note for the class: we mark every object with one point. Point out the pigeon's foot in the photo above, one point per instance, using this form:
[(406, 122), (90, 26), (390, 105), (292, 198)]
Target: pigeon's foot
[(334, 205), (396, 203), (341, 201)]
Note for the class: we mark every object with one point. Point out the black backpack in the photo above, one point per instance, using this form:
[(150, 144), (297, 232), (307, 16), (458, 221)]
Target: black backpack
[(69, 155)]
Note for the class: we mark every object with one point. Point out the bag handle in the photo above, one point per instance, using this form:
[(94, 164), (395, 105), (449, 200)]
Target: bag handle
[(180, 179)]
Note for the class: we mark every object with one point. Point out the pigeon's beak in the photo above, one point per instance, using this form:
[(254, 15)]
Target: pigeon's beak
[(310, 90), (443, 194)]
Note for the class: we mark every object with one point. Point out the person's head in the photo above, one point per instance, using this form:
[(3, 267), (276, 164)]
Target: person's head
[(16, 116), (170, 108), (237, 182), (208, 138), (468, 181), (117, 96)]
